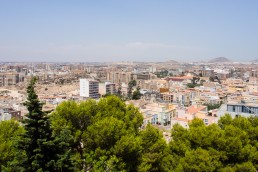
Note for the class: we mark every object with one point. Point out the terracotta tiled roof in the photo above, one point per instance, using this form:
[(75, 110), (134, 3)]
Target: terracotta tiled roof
[(193, 109), (182, 119)]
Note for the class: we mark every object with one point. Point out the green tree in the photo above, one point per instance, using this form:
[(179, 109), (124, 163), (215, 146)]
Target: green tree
[(154, 149), (74, 119), (212, 106), (162, 73), (190, 85), (36, 143), (224, 121), (211, 78), (245, 167), (10, 132), (107, 139), (106, 95), (113, 136), (199, 160), (230, 145), (131, 84), (180, 143), (195, 80), (104, 133), (136, 94)]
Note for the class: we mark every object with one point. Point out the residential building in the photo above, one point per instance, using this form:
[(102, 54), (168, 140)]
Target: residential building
[(158, 114), (89, 88), (107, 88), (184, 115), (9, 113), (119, 77), (9, 78), (239, 109), (167, 97)]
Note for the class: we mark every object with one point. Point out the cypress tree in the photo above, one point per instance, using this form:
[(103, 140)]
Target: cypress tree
[(37, 143)]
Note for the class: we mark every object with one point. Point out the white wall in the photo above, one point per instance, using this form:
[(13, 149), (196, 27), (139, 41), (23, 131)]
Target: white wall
[(5, 116), (84, 87)]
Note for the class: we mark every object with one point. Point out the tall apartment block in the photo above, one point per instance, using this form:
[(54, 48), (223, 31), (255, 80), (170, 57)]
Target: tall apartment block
[(7, 79), (126, 77), (119, 77), (107, 88), (89, 88)]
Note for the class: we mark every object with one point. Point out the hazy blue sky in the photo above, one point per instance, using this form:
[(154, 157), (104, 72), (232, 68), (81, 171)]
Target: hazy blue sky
[(116, 30)]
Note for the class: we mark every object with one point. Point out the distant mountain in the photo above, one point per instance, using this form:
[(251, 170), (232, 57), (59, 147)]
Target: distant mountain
[(219, 60), (168, 62), (255, 61), (172, 61)]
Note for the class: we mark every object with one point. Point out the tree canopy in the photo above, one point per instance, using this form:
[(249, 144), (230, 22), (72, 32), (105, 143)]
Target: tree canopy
[(36, 146), (229, 146), (10, 132)]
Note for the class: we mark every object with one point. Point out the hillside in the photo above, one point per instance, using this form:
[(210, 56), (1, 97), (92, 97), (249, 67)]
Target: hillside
[(219, 60), (171, 62), (255, 61)]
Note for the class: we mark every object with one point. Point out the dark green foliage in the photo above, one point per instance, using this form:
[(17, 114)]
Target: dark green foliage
[(194, 82), (214, 79), (37, 149), (229, 146), (162, 74), (190, 85), (106, 95), (9, 134), (211, 79), (199, 160), (136, 94), (154, 150), (213, 106), (105, 135), (74, 118), (131, 84)]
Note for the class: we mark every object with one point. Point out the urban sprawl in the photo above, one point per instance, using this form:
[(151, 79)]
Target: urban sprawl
[(166, 93)]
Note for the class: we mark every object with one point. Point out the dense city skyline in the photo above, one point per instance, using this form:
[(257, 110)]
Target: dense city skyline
[(88, 31)]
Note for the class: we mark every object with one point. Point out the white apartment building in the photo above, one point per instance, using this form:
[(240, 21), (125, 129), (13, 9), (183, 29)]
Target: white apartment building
[(107, 88), (238, 109), (89, 88)]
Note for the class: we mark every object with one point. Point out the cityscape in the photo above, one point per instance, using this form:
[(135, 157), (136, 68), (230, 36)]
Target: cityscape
[(144, 86), (169, 92)]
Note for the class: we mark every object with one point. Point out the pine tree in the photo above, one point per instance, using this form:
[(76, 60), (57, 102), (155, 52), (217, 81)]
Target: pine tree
[(37, 143)]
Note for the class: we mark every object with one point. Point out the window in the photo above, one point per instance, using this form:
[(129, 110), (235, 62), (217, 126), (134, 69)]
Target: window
[(205, 121)]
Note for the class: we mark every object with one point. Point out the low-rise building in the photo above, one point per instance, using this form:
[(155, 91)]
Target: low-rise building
[(184, 115), (9, 113), (236, 109)]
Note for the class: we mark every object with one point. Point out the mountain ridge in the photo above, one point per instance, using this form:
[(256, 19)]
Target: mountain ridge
[(219, 60)]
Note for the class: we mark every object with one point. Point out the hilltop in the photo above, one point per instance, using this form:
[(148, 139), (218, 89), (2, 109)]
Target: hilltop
[(172, 61), (219, 60), (255, 61)]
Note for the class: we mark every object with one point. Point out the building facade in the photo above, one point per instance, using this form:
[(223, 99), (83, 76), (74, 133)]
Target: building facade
[(89, 88)]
